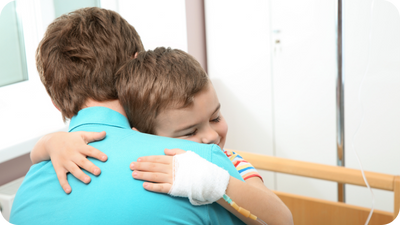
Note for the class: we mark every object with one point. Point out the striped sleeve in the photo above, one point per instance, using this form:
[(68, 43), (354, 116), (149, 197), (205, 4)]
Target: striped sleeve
[(245, 169)]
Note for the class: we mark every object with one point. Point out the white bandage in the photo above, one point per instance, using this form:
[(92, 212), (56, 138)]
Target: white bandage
[(198, 179)]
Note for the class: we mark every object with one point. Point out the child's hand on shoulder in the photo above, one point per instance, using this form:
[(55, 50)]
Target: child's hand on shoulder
[(173, 174), (68, 152), (157, 169)]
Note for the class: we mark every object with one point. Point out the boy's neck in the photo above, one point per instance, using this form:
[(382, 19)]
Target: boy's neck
[(112, 104)]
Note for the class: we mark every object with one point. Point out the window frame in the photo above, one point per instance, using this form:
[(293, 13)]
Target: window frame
[(26, 110)]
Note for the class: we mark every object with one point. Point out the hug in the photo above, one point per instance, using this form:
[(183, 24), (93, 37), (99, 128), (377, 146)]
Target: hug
[(146, 136)]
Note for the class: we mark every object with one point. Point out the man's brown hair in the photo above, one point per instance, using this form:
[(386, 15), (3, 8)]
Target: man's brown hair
[(79, 55), (158, 80)]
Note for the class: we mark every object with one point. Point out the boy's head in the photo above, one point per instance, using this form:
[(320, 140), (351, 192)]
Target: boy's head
[(79, 55), (166, 92)]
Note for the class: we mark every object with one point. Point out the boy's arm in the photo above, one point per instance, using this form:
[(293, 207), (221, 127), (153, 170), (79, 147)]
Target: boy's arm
[(68, 152), (259, 200), (39, 152), (244, 168), (251, 195), (253, 178)]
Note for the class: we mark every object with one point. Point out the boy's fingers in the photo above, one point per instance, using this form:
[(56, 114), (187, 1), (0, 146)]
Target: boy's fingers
[(92, 136), (156, 159), (94, 153), (153, 177), (78, 173), (87, 165), (67, 188), (151, 167), (172, 152), (62, 178), (160, 188)]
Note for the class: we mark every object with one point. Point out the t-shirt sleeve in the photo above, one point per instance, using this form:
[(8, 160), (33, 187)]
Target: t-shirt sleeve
[(245, 169)]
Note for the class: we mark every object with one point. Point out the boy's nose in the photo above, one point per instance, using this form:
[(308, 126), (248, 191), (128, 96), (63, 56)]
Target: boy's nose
[(210, 137)]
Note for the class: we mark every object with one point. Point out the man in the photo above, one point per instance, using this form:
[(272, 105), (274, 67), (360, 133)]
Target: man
[(77, 60)]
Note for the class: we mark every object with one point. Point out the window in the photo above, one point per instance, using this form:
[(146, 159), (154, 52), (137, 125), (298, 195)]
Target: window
[(12, 55), (62, 6)]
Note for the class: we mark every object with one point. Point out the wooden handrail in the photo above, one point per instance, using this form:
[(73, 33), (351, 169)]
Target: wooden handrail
[(319, 171), (396, 184)]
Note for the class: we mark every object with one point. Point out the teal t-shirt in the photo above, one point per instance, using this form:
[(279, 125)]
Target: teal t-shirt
[(114, 197)]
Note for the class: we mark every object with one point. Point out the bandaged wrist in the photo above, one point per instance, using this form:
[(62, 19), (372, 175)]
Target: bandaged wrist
[(198, 179)]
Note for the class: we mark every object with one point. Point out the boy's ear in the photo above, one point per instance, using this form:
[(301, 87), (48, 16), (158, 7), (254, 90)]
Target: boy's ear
[(134, 128), (55, 105)]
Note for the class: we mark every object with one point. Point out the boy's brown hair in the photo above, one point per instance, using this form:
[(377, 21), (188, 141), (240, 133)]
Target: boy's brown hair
[(158, 80), (79, 55)]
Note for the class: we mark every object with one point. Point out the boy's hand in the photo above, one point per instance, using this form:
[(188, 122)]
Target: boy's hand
[(68, 152), (156, 169)]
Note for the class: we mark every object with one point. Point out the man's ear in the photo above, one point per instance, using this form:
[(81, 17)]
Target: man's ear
[(56, 106), (134, 56)]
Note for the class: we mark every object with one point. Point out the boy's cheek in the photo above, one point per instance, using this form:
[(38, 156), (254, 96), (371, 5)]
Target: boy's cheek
[(224, 128), (223, 132), (194, 138)]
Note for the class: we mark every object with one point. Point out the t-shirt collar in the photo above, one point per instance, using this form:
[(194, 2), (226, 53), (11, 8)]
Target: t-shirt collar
[(99, 115)]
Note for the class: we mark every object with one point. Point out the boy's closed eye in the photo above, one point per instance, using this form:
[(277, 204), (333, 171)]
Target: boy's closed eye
[(216, 120), (191, 134)]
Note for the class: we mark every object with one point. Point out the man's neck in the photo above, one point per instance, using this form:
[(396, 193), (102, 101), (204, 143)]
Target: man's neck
[(112, 104)]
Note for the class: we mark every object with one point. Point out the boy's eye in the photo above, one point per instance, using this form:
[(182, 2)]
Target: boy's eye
[(216, 120), (191, 134)]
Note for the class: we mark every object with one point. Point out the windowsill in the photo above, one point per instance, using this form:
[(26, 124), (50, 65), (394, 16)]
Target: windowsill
[(23, 147)]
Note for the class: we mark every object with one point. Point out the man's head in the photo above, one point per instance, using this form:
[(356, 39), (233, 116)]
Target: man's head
[(79, 55), (166, 92)]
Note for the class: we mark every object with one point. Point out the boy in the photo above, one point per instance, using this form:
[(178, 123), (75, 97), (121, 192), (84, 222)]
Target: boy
[(165, 92)]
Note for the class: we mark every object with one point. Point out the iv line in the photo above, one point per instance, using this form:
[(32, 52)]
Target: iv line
[(363, 114)]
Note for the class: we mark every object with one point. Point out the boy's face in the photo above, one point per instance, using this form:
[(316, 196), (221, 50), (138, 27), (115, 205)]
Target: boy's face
[(200, 122)]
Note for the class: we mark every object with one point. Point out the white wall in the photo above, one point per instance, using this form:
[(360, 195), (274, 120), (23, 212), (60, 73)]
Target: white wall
[(304, 72), (239, 65), (158, 22), (279, 99), (377, 141)]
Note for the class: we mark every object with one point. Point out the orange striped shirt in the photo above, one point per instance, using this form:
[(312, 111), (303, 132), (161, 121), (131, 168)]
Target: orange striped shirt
[(245, 169)]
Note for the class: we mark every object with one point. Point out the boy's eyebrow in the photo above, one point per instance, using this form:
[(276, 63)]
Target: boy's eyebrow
[(218, 107), (191, 126)]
